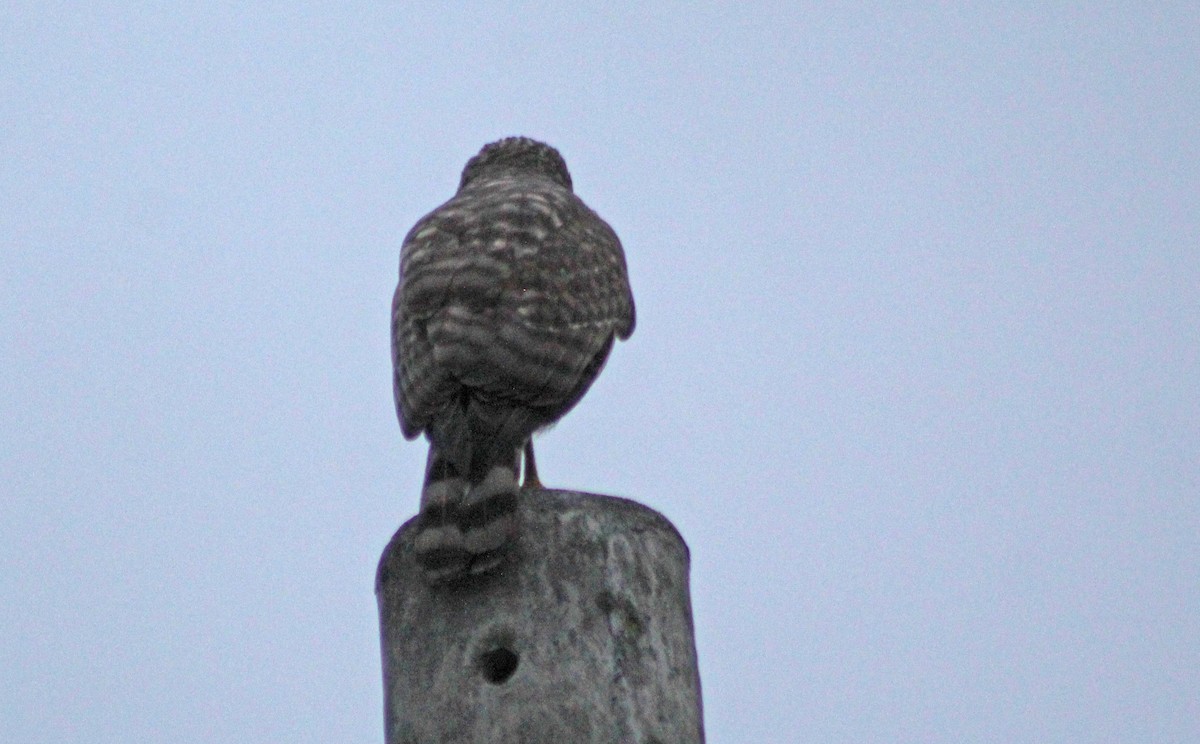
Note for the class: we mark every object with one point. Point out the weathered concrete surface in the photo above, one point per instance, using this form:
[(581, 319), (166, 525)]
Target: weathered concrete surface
[(584, 636)]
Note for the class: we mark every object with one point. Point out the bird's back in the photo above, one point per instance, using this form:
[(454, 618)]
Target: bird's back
[(509, 290)]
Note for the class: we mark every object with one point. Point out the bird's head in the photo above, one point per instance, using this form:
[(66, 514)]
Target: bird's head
[(516, 155)]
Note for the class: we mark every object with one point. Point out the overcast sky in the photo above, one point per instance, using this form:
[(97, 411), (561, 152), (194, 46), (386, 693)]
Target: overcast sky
[(915, 371)]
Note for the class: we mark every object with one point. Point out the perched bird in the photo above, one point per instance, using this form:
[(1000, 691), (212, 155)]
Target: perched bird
[(509, 299)]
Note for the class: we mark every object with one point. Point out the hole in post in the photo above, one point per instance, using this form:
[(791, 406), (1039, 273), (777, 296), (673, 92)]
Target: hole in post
[(498, 665)]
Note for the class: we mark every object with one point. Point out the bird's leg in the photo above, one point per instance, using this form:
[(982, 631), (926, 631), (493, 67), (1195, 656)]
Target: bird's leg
[(531, 473)]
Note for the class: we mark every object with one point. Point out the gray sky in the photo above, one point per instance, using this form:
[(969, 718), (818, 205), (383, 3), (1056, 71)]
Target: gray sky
[(915, 370)]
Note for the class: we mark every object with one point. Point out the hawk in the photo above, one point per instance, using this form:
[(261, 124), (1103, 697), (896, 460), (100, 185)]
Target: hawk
[(509, 299)]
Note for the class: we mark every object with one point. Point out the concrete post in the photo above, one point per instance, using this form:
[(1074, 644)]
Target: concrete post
[(583, 637)]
